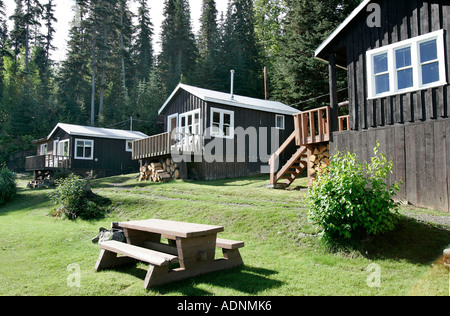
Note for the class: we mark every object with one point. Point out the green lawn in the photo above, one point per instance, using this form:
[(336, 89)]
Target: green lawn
[(282, 256)]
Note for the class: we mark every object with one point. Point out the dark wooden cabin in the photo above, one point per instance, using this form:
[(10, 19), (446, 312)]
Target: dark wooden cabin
[(84, 150), (215, 135), (396, 54)]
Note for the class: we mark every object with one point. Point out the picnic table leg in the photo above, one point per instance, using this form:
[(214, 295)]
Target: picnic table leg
[(233, 256), (108, 259), (137, 237), (156, 275), (196, 251)]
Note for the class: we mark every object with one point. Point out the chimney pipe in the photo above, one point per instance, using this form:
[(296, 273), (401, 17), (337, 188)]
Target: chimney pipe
[(232, 84)]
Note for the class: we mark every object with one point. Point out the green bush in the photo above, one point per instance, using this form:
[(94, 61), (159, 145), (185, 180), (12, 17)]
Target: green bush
[(8, 187), (73, 196), (350, 201)]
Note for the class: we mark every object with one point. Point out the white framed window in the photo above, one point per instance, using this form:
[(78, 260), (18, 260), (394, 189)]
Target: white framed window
[(222, 123), (172, 122), (189, 122), (63, 148), (411, 65), (279, 122), (129, 145), (84, 149), (43, 149)]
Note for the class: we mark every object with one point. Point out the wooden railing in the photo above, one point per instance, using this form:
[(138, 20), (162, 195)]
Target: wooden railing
[(45, 162), (166, 144), (312, 127), (344, 123), (153, 146)]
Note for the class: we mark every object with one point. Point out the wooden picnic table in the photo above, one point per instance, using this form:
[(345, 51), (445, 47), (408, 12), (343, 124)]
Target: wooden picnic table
[(191, 245)]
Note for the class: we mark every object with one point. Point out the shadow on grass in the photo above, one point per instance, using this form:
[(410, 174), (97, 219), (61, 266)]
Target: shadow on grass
[(244, 279), (411, 241)]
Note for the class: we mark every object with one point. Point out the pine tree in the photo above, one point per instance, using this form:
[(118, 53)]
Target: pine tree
[(241, 50), (178, 50), (208, 43), (298, 75), (143, 46)]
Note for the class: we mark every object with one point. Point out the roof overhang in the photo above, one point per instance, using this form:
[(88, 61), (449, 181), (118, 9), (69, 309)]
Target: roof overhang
[(322, 51)]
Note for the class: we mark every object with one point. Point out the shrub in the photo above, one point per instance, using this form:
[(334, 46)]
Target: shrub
[(8, 187), (72, 194), (350, 201)]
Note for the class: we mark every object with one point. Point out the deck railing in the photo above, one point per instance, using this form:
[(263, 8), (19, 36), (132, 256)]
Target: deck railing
[(166, 144), (44, 162), (312, 126)]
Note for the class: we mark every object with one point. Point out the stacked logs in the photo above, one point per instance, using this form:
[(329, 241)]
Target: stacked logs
[(164, 170), (319, 159)]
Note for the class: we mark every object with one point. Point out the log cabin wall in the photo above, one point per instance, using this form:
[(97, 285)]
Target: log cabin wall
[(413, 128), (400, 20)]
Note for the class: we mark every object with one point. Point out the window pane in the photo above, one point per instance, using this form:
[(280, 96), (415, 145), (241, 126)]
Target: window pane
[(87, 152), (226, 130), (80, 150), (382, 83), (227, 119), (216, 117), (403, 57), (380, 63), (280, 122), (430, 73), (405, 78), (216, 129), (428, 51)]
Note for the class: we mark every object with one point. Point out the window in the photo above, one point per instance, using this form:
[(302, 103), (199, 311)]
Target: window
[(222, 123), (43, 150), (190, 122), (84, 149), (279, 122), (63, 148), (411, 65), (129, 145)]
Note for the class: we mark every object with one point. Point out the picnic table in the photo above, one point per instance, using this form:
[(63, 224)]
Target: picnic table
[(191, 245)]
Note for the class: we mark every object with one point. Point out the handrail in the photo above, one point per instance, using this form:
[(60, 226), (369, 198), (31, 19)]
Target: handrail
[(312, 126), (273, 158)]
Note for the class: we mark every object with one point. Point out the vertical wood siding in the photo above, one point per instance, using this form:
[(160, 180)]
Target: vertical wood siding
[(401, 20)]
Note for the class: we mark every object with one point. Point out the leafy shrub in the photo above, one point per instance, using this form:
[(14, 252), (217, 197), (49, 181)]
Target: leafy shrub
[(8, 187), (350, 201), (73, 196)]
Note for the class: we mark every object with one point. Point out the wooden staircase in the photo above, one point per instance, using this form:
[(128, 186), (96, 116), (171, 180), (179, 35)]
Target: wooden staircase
[(293, 168), (311, 129)]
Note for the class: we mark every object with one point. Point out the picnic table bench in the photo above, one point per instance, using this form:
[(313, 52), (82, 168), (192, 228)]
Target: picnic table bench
[(191, 245)]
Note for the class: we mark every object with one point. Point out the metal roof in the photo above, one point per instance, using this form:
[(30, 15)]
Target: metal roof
[(89, 131), (237, 101)]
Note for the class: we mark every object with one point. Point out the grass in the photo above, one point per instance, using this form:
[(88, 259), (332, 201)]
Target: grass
[(283, 255)]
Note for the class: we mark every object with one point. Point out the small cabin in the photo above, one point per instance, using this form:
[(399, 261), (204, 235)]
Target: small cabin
[(396, 54), (214, 135), (84, 150)]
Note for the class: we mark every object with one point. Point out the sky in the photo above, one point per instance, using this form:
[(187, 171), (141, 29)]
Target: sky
[(64, 13)]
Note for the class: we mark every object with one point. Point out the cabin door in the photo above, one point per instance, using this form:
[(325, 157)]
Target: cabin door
[(189, 129)]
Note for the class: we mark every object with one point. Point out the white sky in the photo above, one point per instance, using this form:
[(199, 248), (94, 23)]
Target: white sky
[(64, 14)]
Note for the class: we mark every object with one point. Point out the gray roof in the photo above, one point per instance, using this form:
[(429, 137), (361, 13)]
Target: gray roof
[(89, 131), (237, 101)]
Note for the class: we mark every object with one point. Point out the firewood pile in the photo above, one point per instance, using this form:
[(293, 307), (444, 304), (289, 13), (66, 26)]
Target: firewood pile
[(319, 160), (164, 170)]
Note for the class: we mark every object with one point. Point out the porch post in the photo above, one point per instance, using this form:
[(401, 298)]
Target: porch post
[(334, 107)]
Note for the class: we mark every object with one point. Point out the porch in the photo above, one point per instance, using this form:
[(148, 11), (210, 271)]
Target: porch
[(47, 162), (166, 144)]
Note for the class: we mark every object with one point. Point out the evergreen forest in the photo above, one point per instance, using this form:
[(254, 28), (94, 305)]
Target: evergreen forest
[(111, 72)]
